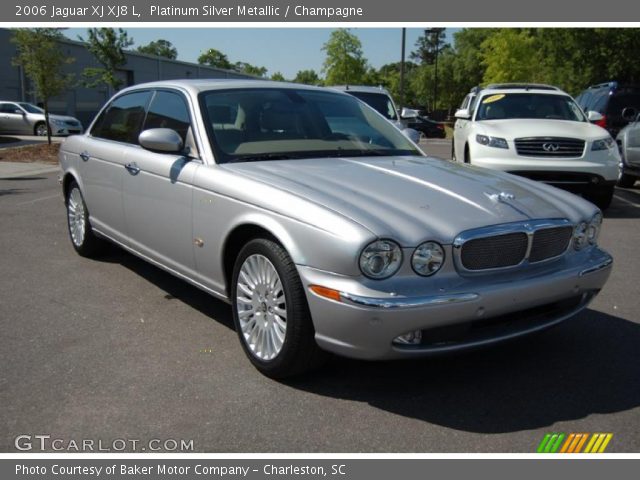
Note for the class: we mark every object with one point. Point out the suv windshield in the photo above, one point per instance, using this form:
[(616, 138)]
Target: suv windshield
[(379, 101), (528, 105), (282, 123), (31, 108)]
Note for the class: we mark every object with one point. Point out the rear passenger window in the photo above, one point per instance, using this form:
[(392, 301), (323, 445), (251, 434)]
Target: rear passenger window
[(122, 120), (169, 110)]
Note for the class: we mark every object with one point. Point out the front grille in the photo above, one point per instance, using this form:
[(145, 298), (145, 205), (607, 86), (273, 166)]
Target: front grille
[(551, 147), (549, 242), (497, 251)]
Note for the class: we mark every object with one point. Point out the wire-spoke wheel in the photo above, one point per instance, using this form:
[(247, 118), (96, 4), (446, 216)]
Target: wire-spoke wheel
[(262, 307), (270, 311), (82, 237)]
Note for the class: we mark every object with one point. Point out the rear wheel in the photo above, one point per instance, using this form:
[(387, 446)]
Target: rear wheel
[(467, 155), (271, 313), (601, 197), (81, 234)]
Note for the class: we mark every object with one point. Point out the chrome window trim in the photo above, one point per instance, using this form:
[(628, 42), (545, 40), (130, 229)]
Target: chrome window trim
[(528, 227)]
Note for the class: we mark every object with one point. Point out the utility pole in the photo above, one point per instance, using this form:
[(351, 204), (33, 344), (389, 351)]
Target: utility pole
[(404, 38), (435, 34)]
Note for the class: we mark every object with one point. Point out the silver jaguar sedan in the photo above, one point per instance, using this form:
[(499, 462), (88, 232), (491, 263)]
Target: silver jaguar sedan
[(324, 227)]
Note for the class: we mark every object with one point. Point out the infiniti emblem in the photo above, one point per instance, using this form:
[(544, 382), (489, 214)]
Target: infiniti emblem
[(550, 147)]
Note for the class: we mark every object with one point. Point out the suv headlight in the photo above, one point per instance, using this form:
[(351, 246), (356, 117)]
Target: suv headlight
[(496, 142), (427, 259), (603, 144), (593, 229), (380, 259)]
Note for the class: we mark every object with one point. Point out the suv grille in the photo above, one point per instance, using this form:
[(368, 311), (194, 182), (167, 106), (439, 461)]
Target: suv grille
[(510, 249), (552, 147)]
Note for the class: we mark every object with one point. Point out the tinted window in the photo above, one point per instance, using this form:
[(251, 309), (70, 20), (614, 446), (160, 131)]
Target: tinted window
[(31, 108), (122, 120), (379, 101), (7, 108), (168, 110)]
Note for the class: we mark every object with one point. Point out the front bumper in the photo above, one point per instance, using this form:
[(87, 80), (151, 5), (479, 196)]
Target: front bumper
[(479, 310)]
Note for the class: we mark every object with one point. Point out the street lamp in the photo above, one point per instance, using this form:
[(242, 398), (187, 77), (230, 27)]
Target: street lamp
[(435, 34)]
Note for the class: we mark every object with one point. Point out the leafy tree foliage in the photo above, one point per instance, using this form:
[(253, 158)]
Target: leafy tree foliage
[(160, 48), (107, 45), (344, 62), (308, 77), (215, 58)]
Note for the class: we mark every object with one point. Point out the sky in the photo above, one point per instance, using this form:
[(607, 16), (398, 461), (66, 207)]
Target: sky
[(286, 50)]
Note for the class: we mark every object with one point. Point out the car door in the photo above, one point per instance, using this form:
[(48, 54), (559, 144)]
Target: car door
[(633, 145), (102, 160), (14, 119), (158, 190)]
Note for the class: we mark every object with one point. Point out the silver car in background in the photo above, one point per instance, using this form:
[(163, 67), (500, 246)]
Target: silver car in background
[(20, 118), (628, 141), (324, 227)]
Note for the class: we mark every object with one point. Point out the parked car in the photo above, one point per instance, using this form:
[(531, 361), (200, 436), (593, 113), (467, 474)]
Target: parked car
[(427, 127), (20, 118), (380, 100), (323, 226), (629, 144), (610, 99), (538, 132)]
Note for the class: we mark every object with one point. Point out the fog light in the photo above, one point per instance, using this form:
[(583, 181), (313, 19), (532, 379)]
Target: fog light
[(411, 338)]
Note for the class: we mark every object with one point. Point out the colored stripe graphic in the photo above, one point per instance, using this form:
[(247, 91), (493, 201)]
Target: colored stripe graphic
[(574, 443)]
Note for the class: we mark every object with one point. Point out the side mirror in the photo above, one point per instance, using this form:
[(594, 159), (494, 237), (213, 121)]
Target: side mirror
[(162, 140), (19, 112), (411, 134), (629, 114), (594, 116), (409, 113), (463, 114)]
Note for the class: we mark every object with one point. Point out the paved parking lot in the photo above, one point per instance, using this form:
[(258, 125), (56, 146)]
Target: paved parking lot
[(115, 348)]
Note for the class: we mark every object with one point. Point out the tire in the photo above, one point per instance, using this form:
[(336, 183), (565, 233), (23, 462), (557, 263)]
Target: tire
[(272, 319), (81, 234), (40, 129), (601, 197), (626, 180)]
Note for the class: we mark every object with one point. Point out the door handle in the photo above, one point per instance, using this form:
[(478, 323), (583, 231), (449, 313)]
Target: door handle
[(132, 168), (85, 156)]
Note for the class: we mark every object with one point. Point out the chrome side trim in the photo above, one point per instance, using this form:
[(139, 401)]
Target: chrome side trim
[(606, 263), (407, 302), (528, 227)]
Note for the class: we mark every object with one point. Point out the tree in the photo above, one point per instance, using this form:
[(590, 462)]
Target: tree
[(308, 77), (215, 58), (160, 48), (43, 61), (247, 68), (278, 77), (345, 62), (107, 45), (511, 55), (432, 43)]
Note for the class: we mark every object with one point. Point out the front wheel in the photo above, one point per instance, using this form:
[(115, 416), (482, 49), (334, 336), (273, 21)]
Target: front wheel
[(40, 129), (271, 313), (601, 197), (626, 180)]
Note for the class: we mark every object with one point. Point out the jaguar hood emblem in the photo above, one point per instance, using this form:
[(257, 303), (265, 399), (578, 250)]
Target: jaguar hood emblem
[(503, 197)]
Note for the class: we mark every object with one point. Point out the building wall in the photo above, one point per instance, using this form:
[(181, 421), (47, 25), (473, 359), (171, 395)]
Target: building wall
[(83, 102)]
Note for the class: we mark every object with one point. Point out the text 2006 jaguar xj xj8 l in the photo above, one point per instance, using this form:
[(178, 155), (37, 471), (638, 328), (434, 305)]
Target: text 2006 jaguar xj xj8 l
[(323, 225)]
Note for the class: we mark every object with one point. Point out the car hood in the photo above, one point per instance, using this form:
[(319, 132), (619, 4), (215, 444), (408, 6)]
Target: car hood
[(518, 128), (412, 199), (62, 117)]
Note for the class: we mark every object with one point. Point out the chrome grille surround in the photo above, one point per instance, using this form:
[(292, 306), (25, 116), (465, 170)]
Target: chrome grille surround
[(561, 147), (529, 228)]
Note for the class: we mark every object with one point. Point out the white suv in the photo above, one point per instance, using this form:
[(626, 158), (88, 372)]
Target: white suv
[(538, 132)]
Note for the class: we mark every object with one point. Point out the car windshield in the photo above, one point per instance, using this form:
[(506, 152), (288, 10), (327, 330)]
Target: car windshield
[(528, 105), (31, 108), (284, 123), (379, 101)]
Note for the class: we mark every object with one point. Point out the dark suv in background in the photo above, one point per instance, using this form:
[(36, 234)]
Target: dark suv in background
[(610, 99)]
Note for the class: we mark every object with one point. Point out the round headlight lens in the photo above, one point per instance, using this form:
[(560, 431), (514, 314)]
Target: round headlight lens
[(428, 258), (593, 230), (580, 239), (380, 259)]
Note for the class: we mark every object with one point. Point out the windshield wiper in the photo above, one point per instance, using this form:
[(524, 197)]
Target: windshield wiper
[(265, 156)]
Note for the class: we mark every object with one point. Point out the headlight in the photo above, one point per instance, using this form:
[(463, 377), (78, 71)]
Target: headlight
[(603, 144), (427, 259), (496, 142), (580, 239), (60, 123), (380, 259), (593, 229)]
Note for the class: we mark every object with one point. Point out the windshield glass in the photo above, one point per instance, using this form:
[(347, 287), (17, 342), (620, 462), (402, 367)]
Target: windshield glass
[(379, 101), (529, 105), (283, 123), (31, 108)]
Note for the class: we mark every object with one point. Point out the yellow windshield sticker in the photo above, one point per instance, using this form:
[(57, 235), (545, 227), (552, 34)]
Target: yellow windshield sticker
[(493, 98)]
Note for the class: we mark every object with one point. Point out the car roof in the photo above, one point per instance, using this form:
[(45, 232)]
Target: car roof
[(359, 89), (196, 86), (500, 88)]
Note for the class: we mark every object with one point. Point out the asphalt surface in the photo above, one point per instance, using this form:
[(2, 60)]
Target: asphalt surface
[(117, 349)]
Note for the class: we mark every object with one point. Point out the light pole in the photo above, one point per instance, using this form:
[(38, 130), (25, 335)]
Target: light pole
[(435, 33), (404, 37)]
